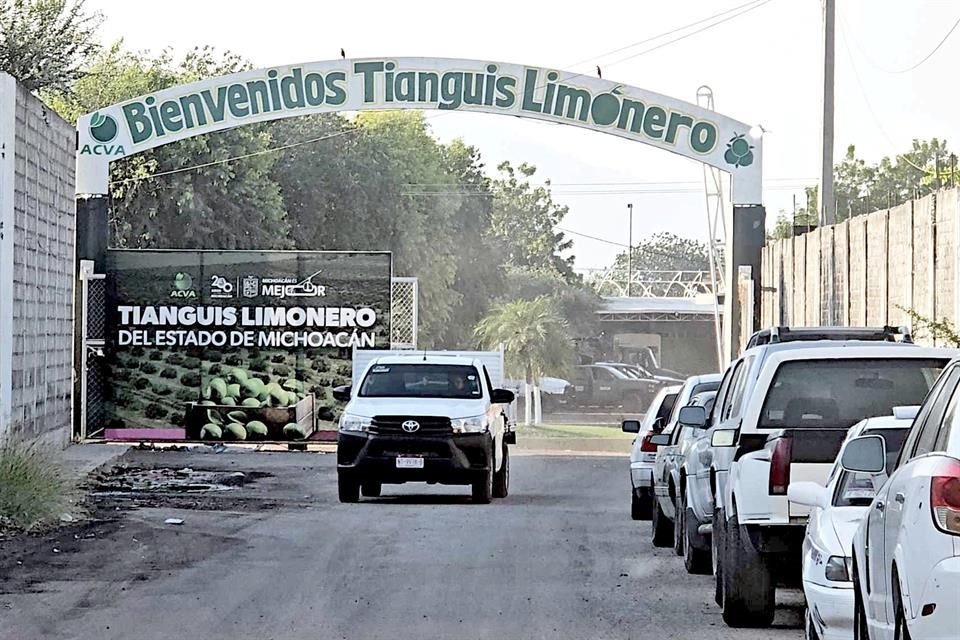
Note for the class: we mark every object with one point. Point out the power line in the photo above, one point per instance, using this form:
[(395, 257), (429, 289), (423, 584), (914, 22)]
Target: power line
[(240, 157), (591, 184), (664, 34), (590, 192), (688, 35), (878, 67), (866, 101)]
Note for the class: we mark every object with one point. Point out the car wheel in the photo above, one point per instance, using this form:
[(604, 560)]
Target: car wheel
[(678, 517), (716, 542), (501, 479), (482, 489), (900, 630), (640, 504), (661, 528), (860, 630), (696, 559), (809, 631), (748, 587), (348, 489), (371, 489)]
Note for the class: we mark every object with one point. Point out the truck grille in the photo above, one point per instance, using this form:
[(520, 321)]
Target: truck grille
[(393, 425)]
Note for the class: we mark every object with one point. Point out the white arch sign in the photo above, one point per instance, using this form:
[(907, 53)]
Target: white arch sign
[(272, 93)]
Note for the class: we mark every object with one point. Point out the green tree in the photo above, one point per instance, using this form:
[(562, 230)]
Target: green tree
[(524, 221), (660, 252), (576, 303), (45, 44), (805, 216), (535, 340), (182, 195)]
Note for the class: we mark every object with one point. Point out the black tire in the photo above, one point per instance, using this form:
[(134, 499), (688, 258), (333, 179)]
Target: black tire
[(716, 541), (860, 630), (678, 528), (641, 504), (749, 592), (501, 479), (660, 527), (482, 488), (371, 489), (900, 629), (696, 559), (809, 630), (348, 489)]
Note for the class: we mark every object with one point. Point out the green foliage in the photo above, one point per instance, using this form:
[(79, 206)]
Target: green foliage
[(524, 221), (533, 335), (32, 489), (576, 304), (155, 412), (148, 368), (944, 332), (234, 205), (806, 216), (45, 44), (660, 252)]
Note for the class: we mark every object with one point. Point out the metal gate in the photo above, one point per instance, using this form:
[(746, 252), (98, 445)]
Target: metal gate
[(404, 310), (92, 323)]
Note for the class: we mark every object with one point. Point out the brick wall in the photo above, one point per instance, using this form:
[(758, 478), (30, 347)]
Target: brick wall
[(39, 339)]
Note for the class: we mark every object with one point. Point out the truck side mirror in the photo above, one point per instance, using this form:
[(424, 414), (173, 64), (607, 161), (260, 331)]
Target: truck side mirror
[(502, 396), (630, 426), (342, 393), (724, 438), (660, 440)]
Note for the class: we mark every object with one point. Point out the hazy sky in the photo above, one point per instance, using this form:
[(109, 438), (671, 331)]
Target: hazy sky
[(764, 67)]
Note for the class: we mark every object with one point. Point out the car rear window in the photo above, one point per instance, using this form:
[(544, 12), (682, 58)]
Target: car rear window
[(421, 381), (838, 393)]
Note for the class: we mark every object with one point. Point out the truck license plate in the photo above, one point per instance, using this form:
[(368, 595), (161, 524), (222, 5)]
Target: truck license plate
[(409, 463)]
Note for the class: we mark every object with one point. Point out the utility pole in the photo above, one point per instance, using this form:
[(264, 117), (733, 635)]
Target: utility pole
[(630, 253), (828, 210)]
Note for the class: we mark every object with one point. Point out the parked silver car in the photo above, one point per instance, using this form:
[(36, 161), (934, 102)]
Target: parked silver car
[(670, 470)]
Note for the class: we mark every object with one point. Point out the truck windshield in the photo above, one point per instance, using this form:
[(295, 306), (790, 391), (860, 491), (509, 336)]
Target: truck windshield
[(839, 393), (421, 381)]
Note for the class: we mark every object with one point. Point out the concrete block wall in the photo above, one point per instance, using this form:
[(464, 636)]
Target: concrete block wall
[(870, 269), (36, 268)]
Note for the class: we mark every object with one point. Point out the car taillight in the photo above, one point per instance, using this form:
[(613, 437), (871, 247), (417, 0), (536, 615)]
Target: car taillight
[(780, 467), (945, 499), (646, 446)]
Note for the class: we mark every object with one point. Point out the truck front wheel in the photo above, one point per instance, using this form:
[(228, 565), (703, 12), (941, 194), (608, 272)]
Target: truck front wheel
[(749, 592), (348, 489), (501, 479)]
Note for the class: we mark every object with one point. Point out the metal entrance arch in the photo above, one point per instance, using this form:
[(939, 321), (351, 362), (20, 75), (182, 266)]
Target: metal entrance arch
[(446, 84)]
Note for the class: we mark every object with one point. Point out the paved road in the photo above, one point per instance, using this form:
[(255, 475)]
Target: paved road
[(281, 559)]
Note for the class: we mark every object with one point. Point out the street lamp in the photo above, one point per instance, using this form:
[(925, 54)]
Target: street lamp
[(630, 253)]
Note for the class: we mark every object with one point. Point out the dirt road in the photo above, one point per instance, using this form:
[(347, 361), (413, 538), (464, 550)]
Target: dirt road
[(275, 556)]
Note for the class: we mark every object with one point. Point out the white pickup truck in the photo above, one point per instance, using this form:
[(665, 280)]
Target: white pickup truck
[(784, 414)]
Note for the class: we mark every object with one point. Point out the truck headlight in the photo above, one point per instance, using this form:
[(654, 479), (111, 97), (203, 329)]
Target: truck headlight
[(838, 569), (475, 424), (351, 422)]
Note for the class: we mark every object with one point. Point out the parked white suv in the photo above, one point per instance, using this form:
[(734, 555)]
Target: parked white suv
[(906, 551), (434, 419), (790, 426)]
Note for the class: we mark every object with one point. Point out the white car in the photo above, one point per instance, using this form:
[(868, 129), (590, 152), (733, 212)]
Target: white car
[(906, 550), (791, 427), (836, 511), (644, 453)]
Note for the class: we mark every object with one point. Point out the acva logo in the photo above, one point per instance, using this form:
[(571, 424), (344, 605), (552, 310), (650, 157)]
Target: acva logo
[(103, 129), (183, 286)]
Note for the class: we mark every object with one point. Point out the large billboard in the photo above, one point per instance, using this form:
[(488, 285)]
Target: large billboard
[(237, 345)]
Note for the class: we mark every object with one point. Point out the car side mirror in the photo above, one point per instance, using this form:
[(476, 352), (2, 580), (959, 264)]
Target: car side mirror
[(724, 438), (693, 416), (866, 454), (809, 494), (502, 396), (342, 393), (660, 440), (630, 426)]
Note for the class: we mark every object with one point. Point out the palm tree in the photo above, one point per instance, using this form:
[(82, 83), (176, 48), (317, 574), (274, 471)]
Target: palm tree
[(535, 340)]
